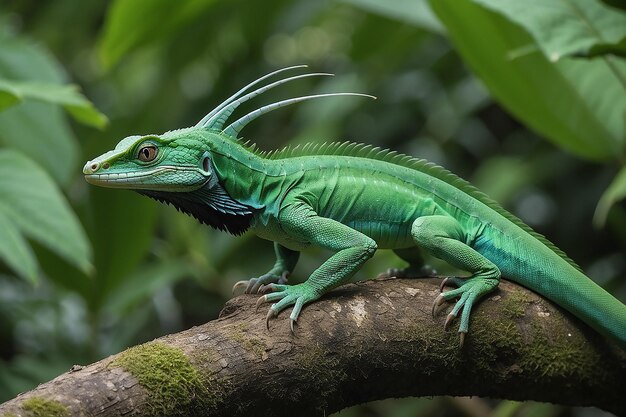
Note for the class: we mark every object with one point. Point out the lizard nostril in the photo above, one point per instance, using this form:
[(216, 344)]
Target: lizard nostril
[(105, 165), (94, 166)]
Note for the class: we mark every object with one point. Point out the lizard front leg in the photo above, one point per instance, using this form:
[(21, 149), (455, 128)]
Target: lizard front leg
[(352, 248), (286, 260)]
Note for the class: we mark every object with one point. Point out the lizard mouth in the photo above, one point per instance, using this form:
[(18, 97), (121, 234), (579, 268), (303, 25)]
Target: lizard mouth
[(135, 180)]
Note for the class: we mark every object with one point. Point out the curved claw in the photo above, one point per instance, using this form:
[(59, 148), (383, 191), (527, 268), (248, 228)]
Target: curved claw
[(239, 284), (270, 314), (462, 338), (267, 288), (262, 299), (271, 287), (291, 323), (443, 283), (254, 286), (449, 320), (438, 301)]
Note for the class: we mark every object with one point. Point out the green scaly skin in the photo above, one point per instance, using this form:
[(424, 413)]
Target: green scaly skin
[(350, 199)]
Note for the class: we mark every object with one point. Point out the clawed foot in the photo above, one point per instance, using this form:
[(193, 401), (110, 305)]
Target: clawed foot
[(286, 295), (424, 271), (253, 285), (468, 291)]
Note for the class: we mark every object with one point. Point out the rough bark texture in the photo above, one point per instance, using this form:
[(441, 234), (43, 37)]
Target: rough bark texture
[(362, 342)]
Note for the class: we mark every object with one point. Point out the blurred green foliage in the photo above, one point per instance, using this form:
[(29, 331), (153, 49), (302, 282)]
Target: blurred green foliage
[(473, 85)]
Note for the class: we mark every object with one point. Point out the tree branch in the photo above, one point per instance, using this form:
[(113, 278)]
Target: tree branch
[(362, 342)]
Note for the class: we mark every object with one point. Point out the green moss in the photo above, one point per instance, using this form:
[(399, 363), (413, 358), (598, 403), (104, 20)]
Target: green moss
[(514, 304), (547, 347), (250, 343), (41, 407), (434, 337), (9, 414), (174, 386), (494, 341), (561, 355)]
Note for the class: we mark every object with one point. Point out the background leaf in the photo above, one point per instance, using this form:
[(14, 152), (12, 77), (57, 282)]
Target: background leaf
[(31, 201), (14, 249), (38, 130), (119, 246), (569, 27), (578, 104), (21, 59), (8, 96), (415, 12), (613, 194), (67, 96), (130, 24), (145, 282)]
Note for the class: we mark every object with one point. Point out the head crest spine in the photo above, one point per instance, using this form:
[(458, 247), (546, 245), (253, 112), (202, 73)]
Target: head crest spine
[(217, 117)]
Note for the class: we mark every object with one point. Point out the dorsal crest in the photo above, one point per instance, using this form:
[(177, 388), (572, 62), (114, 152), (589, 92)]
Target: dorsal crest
[(217, 117)]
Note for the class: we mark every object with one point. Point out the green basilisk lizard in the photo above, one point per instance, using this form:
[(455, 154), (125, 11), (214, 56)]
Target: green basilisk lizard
[(351, 199)]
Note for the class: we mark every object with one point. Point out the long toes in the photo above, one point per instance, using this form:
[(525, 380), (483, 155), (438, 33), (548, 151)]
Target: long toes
[(272, 288), (438, 301)]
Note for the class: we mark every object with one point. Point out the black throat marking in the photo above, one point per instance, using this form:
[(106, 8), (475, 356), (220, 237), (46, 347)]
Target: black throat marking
[(210, 204)]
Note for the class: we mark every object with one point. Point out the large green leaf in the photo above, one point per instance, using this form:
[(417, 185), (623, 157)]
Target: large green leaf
[(578, 104), (68, 96), (39, 130), (567, 27), (130, 24), (31, 205), (21, 59), (14, 249)]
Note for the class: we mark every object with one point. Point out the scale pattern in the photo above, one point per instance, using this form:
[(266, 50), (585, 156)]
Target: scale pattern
[(360, 150)]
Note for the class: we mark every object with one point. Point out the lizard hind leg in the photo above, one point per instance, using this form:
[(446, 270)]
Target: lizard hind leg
[(444, 238)]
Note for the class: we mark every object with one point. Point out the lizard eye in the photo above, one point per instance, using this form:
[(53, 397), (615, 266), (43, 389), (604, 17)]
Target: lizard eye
[(147, 153)]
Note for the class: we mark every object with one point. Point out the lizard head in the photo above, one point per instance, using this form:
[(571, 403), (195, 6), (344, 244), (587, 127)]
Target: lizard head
[(173, 168), (178, 161), (175, 161)]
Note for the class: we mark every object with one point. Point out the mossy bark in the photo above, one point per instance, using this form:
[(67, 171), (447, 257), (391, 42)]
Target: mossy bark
[(361, 342)]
